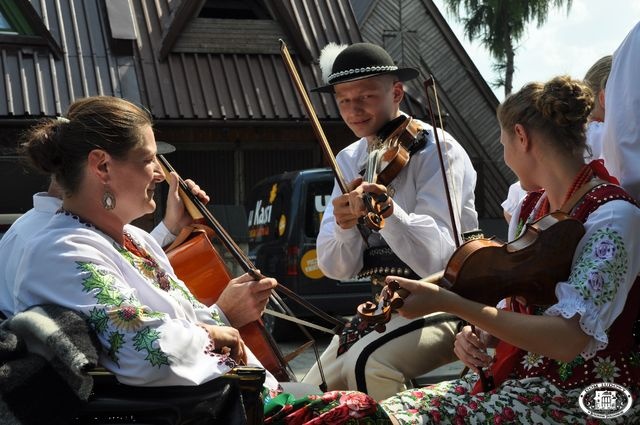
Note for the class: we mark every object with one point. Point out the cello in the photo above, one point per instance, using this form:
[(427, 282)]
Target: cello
[(200, 266)]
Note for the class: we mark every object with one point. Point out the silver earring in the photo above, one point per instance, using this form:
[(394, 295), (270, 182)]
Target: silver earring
[(108, 200)]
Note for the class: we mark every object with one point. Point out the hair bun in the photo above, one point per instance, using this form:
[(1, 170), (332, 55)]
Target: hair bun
[(565, 102), (42, 144)]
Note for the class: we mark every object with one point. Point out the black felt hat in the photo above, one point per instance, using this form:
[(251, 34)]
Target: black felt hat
[(340, 64)]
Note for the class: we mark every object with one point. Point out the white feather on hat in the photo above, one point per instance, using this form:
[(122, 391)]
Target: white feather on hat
[(328, 56)]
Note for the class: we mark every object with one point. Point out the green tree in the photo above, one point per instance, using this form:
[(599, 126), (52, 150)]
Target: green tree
[(500, 24)]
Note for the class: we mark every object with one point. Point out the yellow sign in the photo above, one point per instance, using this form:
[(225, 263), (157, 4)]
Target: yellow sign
[(309, 265), (282, 225)]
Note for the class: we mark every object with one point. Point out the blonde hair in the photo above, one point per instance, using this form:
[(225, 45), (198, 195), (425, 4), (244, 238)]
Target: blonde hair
[(558, 108), (596, 77)]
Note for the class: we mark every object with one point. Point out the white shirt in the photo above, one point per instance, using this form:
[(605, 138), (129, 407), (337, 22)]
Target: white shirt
[(605, 266), (419, 230), (595, 131), (150, 336), (621, 134), (24, 229)]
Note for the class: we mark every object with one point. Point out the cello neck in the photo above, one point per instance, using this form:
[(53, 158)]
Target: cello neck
[(192, 202), (199, 211)]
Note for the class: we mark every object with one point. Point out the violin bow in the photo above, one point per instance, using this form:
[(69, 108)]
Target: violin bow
[(431, 82), (487, 381), (315, 124)]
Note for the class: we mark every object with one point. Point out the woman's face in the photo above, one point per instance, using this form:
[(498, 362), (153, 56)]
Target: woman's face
[(134, 179), (515, 156), (368, 104)]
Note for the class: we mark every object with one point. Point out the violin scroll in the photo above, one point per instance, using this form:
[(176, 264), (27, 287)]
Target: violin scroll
[(391, 298)]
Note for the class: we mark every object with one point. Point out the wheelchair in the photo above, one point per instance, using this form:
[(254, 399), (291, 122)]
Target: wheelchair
[(233, 399)]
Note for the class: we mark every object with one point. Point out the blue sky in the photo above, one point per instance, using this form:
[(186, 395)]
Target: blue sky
[(565, 44)]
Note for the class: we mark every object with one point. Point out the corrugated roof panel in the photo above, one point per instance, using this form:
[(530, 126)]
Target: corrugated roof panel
[(38, 84)]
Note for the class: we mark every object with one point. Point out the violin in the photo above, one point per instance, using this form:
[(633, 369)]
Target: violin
[(397, 140), (487, 270)]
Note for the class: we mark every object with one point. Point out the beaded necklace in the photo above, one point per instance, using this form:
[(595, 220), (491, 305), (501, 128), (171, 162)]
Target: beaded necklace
[(148, 262), (585, 174)]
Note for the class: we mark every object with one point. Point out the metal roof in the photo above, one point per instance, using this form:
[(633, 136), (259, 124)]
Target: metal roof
[(212, 69), (416, 34)]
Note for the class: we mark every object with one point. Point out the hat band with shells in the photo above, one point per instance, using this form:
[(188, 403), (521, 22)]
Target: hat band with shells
[(365, 70)]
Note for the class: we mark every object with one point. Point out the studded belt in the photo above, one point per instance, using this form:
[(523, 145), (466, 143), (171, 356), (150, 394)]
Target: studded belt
[(380, 262)]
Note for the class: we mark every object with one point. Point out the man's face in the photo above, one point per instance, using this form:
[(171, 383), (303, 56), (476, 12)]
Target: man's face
[(368, 104)]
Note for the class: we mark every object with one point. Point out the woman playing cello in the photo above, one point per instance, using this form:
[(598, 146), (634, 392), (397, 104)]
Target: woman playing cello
[(546, 356), (90, 259)]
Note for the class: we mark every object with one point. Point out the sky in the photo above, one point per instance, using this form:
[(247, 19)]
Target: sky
[(565, 44)]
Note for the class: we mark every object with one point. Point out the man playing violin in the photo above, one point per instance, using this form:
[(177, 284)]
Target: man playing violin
[(417, 237)]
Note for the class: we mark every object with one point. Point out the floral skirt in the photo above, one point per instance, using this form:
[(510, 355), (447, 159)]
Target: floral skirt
[(334, 407), (524, 401)]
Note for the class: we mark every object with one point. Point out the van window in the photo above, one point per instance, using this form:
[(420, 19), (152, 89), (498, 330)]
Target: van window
[(318, 196), (269, 211)]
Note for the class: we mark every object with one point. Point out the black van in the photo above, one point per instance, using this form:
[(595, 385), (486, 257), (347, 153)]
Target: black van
[(284, 215)]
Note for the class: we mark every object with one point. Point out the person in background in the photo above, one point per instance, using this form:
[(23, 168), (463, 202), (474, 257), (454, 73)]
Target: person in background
[(417, 237), (621, 132), (546, 355), (596, 80)]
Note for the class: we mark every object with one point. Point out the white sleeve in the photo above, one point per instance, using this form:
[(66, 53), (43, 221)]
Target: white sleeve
[(422, 236), (141, 345), (162, 235), (339, 250), (514, 196), (621, 134), (605, 266)]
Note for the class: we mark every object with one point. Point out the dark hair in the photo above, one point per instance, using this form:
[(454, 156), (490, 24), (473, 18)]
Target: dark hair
[(60, 146), (559, 109)]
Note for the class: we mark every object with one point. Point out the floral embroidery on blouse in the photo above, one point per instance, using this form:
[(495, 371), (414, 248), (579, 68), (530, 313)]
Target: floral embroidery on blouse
[(601, 267), (152, 272), (120, 313), (144, 341)]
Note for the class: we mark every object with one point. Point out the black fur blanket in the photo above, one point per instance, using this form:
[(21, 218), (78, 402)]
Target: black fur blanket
[(45, 353)]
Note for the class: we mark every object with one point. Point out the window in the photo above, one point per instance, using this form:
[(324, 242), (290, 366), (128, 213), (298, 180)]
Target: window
[(4, 25), (12, 20), (318, 196), (21, 26)]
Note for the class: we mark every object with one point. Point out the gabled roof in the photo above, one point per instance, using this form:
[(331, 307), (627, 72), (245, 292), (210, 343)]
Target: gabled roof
[(225, 69), (416, 34)]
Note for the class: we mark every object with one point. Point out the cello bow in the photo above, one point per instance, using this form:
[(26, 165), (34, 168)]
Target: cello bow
[(199, 211)]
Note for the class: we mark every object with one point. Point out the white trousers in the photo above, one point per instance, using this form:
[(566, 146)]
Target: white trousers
[(380, 364)]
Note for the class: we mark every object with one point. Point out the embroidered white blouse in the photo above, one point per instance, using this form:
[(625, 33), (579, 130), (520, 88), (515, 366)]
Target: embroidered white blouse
[(13, 243), (150, 336), (419, 230), (605, 266)]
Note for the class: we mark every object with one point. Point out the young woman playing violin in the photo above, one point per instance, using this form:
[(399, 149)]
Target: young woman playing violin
[(545, 355)]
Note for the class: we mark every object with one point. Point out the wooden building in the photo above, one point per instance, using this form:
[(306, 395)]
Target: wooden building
[(211, 74)]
